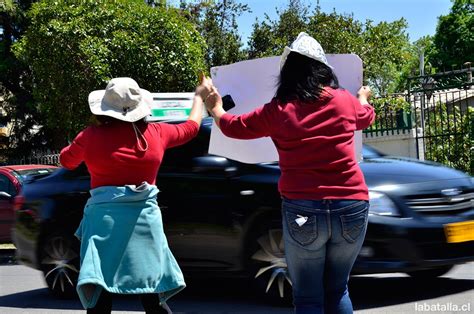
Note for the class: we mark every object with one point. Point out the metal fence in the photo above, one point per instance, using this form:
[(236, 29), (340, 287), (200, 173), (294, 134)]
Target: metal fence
[(50, 158), (390, 122), (443, 108)]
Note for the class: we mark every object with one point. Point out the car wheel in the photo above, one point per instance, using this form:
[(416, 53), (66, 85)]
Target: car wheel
[(59, 260), (269, 268), (430, 273)]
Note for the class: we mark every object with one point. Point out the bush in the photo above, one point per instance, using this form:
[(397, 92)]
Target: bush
[(449, 137), (74, 47), (391, 114)]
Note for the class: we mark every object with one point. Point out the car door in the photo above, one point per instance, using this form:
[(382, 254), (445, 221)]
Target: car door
[(7, 193), (197, 200)]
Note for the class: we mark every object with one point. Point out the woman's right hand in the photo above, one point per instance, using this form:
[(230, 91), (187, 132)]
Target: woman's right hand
[(365, 92), (214, 105), (213, 100)]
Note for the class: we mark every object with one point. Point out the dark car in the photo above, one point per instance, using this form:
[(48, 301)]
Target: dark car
[(11, 181), (222, 217)]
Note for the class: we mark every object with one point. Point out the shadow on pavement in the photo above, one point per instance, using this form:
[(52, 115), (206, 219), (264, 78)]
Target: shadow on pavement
[(215, 296), (236, 296), (372, 292)]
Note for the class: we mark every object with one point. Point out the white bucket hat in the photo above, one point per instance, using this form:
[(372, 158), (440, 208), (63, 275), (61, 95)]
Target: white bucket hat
[(122, 99), (307, 46)]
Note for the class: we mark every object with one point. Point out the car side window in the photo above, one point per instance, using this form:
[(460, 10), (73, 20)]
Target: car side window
[(12, 189), (5, 184), (180, 158)]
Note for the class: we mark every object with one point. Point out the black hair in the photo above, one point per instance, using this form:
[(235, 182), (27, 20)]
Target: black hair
[(98, 120), (303, 78)]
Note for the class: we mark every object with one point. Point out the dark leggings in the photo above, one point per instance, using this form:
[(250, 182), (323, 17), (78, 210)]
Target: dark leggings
[(150, 302)]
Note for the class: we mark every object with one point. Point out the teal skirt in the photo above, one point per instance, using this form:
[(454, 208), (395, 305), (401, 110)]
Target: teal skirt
[(123, 246)]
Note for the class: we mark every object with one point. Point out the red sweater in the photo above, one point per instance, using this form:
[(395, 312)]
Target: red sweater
[(315, 143), (111, 154)]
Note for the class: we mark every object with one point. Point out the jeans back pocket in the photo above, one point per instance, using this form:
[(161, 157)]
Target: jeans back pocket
[(304, 232), (353, 224)]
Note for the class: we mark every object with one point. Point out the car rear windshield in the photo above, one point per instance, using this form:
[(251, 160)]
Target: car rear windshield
[(22, 174)]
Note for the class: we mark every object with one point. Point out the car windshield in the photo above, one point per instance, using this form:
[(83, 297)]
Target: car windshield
[(21, 175)]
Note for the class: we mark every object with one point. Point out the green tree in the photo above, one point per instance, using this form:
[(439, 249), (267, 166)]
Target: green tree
[(411, 67), (454, 37), (217, 23), (261, 41), (449, 136), (383, 47), (385, 51), (75, 47), (269, 37), (16, 99), (337, 33)]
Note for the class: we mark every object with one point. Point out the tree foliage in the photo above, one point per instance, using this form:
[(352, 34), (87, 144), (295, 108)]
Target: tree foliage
[(383, 47), (411, 67), (16, 100), (385, 51), (449, 134), (269, 37), (217, 23), (75, 47), (454, 38)]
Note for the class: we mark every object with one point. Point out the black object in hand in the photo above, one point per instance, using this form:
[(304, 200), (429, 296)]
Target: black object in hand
[(227, 102)]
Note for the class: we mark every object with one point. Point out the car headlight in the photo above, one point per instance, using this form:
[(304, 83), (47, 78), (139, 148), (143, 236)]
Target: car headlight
[(381, 204)]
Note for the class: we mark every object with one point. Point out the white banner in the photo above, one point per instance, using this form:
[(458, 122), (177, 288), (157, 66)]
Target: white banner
[(252, 84)]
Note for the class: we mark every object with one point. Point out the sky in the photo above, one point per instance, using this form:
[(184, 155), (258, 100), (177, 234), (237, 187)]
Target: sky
[(421, 15)]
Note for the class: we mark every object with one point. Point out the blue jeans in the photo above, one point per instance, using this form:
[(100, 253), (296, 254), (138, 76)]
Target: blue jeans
[(322, 241)]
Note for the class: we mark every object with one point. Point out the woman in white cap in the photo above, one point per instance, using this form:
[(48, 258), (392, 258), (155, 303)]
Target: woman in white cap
[(325, 199), (123, 247)]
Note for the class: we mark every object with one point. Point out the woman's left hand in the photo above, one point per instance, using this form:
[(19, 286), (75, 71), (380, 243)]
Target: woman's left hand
[(204, 88)]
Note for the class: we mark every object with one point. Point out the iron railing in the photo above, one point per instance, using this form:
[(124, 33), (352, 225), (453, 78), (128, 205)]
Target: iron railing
[(390, 122), (445, 119), (40, 159)]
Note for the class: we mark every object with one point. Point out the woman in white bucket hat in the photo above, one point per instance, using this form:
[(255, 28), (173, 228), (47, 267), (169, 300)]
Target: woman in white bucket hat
[(325, 199), (123, 247)]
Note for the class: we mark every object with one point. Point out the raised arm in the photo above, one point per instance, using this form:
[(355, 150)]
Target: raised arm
[(255, 124), (72, 155), (202, 91), (365, 114), (178, 134)]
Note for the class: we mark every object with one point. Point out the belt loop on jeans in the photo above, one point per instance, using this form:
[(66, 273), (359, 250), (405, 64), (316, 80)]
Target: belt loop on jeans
[(327, 203)]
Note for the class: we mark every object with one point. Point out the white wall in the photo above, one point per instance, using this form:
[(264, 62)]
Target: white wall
[(394, 144)]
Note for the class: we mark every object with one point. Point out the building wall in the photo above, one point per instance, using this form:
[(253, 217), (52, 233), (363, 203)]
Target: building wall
[(394, 144)]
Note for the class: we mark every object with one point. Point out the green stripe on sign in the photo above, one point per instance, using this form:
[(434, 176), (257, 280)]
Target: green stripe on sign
[(173, 113)]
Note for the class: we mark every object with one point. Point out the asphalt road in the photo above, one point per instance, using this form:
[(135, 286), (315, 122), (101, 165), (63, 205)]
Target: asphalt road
[(22, 290)]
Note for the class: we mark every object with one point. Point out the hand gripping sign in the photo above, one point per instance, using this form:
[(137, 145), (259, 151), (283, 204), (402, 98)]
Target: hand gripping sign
[(252, 84)]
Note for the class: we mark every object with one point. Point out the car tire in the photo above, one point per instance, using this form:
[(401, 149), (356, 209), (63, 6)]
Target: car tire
[(268, 271), (430, 273), (59, 261)]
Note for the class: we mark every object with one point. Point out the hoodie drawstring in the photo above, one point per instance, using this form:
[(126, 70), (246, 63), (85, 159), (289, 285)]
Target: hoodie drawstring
[(139, 136)]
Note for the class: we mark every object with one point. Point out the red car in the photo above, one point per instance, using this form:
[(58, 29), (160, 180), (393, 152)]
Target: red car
[(11, 180)]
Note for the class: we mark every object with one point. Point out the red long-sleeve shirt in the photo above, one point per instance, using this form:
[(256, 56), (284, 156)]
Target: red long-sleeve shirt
[(315, 143), (111, 154)]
